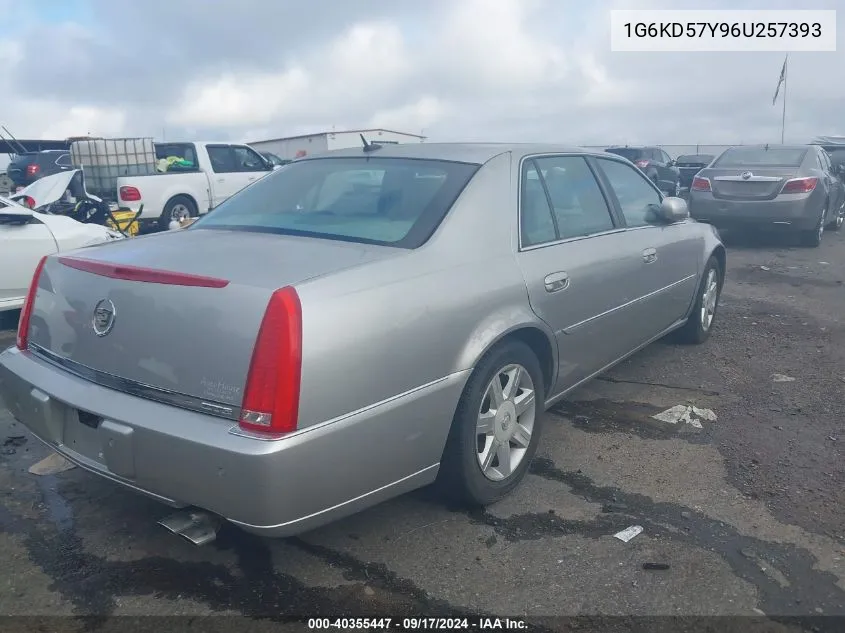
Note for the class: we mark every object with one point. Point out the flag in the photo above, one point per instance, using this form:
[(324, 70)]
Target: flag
[(780, 81)]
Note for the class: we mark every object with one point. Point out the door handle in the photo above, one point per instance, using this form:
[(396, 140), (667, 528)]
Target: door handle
[(251, 178), (221, 180), (555, 282), (650, 255)]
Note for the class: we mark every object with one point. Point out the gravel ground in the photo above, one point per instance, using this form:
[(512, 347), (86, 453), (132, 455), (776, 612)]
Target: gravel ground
[(742, 515)]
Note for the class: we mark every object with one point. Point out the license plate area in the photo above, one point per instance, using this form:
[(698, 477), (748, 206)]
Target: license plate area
[(82, 434)]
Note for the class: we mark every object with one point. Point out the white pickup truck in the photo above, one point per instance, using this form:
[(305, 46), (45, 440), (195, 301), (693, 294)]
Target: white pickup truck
[(206, 175)]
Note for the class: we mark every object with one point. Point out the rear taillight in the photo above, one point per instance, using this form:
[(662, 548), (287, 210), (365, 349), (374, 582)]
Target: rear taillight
[(799, 185), (33, 169), (130, 194), (699, 183), (26, 311), (28, 201), (642, 164), (271, 397)]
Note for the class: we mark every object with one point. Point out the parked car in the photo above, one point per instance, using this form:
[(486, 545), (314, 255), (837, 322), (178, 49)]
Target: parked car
[(25, 169), (835, 148), (792, 187), (210, 173), (656, 164), (689, 165), (26, 236), (312, 347), (275, 160)]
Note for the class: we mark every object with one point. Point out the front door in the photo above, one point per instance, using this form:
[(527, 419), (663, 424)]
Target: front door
[(668, 270), (226, 179), (579, 265)]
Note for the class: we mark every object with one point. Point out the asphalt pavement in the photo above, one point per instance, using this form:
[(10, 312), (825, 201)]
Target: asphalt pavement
[(742, 516)]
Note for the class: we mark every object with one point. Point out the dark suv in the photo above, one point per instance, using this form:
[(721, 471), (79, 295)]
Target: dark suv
[(25, 169), (656, 164)]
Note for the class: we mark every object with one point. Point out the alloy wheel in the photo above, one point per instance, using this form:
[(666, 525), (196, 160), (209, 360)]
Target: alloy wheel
[(709, 299), (505, 422)]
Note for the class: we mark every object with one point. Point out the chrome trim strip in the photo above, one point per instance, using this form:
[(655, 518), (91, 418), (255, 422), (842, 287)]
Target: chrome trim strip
[(568, 330), (139, 389), (751, 179), (272, 437)]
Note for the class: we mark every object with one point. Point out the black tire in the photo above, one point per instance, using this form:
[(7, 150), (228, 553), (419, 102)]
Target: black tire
[(460, 476), (837, 222), (176, 203), (813, 237), (693, 331)]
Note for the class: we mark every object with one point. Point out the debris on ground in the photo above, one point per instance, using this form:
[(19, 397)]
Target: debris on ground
[(764, 268), (832, 438), (15, 441), (51, 465), (782, 378), (686, 414), (628, 533), (656, 566)]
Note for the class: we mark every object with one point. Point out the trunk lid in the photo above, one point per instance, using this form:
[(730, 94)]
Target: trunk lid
[(187, 345), (752, 183)]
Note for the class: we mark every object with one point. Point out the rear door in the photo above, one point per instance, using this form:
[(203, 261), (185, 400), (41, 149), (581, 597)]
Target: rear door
[(666, 274), (580, 268), (836, 189)]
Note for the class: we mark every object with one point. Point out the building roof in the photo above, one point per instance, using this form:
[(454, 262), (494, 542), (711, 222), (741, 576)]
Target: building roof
[(477, 153), (375, 129)]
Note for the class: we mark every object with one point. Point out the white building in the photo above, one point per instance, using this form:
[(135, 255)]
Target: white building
[(308, 144)]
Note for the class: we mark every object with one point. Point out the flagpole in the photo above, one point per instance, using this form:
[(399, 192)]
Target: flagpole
[(783, 114)]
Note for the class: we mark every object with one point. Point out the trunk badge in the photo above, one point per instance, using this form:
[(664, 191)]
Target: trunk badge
[(746, 175), (103, 320)]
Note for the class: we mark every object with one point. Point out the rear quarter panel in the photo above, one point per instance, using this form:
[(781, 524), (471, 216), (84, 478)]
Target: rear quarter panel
[(378, 331)]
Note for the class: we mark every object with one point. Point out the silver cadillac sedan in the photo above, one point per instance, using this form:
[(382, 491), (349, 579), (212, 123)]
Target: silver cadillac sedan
[(357, 325)]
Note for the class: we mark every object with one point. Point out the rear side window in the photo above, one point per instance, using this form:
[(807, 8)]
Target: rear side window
[(761, 157), (389, 201), (630, 153), (63, 160), (578, 206), (179, 156)]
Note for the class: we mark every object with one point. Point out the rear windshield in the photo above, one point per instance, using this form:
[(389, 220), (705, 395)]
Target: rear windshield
[(760, 156), (698, 159), (389, 201), (630, 153)]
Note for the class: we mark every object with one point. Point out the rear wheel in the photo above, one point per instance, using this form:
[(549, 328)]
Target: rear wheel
[(813, 237), (839, 220), (178, 208), (700, 323), (496, 427)]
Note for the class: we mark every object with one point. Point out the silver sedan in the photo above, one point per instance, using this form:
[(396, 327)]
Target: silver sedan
[(355, 326)]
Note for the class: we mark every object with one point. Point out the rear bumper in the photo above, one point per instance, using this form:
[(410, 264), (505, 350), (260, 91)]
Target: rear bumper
[(790, 212), (182, 458)]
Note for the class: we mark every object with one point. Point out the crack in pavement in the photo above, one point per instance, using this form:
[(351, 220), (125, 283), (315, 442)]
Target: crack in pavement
[(645, 383)]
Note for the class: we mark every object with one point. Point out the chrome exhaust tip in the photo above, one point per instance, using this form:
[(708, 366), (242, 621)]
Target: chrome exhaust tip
[(198, 526)]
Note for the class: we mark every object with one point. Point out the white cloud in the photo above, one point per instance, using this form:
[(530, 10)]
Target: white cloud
[(460, 69)]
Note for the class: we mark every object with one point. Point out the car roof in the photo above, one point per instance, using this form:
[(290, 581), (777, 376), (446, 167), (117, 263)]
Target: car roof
[(477, 153), (771, 146), (633, 147)]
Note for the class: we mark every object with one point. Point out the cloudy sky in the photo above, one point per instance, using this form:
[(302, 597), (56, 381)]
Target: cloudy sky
[(511, 70)]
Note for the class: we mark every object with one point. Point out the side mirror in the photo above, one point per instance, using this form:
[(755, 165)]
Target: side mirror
[(673, 210)]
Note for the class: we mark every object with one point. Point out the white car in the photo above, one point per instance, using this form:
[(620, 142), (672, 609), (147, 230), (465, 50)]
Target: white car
[(26, 236)]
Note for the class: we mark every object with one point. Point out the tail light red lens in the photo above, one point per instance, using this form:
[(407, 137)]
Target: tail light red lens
[(642, 164), (33, 169), (271, 397), (29, 201), (700, 183), (130, 194), (800, 185), (22, 341)]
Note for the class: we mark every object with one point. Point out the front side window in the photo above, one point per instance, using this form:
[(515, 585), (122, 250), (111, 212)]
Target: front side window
[(247, 159), (221, 158), (389, 201), (637, 197)]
